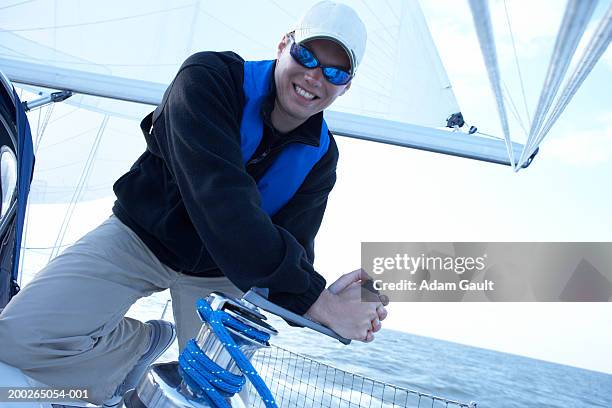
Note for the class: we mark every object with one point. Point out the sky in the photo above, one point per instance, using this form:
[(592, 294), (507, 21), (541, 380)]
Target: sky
[(386, 193)]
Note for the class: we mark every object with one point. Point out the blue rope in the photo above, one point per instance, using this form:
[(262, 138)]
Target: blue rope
[(212, 382)]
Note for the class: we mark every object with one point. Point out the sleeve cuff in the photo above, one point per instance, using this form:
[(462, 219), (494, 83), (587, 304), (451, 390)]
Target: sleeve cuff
[(300, 303)]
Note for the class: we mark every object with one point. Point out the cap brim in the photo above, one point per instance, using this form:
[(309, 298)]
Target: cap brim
[(337, 41)]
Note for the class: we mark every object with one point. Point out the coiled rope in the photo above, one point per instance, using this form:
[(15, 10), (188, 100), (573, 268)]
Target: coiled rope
[(209, 380)]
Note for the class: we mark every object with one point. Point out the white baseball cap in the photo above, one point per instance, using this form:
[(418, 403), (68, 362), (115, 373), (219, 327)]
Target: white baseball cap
[(337, 22)]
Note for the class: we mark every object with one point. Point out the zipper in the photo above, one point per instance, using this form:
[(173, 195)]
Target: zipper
[(268, 151), (260, 158)]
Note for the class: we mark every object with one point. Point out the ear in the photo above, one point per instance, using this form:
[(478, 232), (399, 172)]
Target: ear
[(346, 88), (281, 46)]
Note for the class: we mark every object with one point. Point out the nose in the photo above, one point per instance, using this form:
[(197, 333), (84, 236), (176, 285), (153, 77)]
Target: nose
[(314, 77)]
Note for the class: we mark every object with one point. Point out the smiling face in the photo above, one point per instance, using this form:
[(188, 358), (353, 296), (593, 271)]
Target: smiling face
[(303, 92)]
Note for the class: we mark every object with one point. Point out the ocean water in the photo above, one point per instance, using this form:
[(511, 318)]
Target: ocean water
[(441, 368), (459, 372)]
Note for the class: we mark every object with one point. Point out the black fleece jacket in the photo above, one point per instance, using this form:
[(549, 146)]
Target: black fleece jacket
[(195, 204)]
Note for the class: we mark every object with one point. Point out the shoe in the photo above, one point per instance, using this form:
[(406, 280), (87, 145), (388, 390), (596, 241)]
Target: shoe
[(163, 334)]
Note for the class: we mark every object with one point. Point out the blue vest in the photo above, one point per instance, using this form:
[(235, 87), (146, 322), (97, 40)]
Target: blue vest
[(285, 176)]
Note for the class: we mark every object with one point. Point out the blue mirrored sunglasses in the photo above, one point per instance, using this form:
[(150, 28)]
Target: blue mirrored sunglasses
[(305, 57)]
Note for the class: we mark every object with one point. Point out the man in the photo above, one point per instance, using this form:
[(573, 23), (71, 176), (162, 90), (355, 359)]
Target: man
[(229, 194)]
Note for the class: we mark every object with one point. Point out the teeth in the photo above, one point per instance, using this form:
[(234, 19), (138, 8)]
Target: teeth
[(303, 92)]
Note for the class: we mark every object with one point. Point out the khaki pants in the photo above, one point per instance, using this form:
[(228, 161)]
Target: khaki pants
[(67, 326)]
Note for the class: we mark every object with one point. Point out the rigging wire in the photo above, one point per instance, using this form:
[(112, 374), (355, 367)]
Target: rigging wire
[(382, 97), (79, 189), (27, 57), (23, 247), (378, 83), (90, 23), (192, 26), (514, 109), (15, 51), (246, 36), (484, 30), (387, 44), (39, 134), (38, 122), (284, 10), (397, 17), (382, 23), (68, 138), (382, 45), (16, 4), (64, 115), (575, 19), (373, 73), (47, 248), (518, 66), (99, 64), (488, 135), (597, 46), (61, 166), (62, 191)]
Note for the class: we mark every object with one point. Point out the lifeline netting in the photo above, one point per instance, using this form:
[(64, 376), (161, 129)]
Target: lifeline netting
[(298, 381)]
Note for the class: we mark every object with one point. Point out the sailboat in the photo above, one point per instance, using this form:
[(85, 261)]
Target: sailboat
[(402, 95)]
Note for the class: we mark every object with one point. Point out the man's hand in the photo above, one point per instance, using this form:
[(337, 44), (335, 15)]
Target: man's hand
[(340, 308)]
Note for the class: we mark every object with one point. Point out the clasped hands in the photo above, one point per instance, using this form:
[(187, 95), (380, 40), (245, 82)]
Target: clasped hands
[(341, 308)]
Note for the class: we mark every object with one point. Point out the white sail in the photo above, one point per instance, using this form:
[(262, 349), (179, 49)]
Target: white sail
[(401, 79)]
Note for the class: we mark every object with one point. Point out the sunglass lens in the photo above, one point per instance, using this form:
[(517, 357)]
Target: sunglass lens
[(304, 56), (336, 76), (307, 59)]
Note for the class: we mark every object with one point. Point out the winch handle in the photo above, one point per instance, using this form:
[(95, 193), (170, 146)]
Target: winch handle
[(259, 298)]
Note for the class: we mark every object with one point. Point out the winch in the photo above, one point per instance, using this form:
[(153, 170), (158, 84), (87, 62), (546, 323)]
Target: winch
[(211, 369)]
